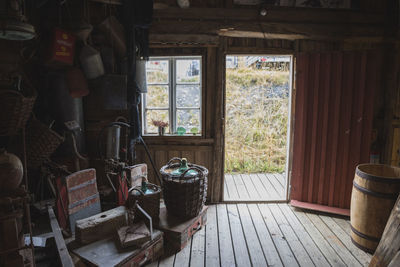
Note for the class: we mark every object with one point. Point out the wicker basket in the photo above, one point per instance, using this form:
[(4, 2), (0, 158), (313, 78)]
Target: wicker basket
[(15, 109), (184, 196), (149, 202), (41, 142)]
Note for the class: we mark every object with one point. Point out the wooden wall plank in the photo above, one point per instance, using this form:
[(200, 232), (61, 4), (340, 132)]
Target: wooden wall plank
[(315, 126), (326, 80), (337, 89), (347, 119)]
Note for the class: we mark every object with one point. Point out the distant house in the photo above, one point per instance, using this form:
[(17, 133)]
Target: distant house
[(280, 63), (231, 62)]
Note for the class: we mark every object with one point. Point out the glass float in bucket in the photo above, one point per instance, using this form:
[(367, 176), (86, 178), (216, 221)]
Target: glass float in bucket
[(184, 187)]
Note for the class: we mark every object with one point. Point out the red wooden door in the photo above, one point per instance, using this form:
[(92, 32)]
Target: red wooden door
[(332, 126)]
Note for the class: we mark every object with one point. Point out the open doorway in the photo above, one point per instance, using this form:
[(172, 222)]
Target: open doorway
[(258, 97)]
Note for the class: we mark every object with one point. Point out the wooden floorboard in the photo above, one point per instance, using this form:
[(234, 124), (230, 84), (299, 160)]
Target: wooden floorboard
[(254, 187), (251, 189), (280, 178), (320, 241), (270, 251), (255, 250), (297, 248), (279, 239), (198, 248), (262, 192), (212, 249), (230, 184), (227, 257), (268, 235), (313, 251), (337, 245), (277, 185), (241, 188), (268, 186), (183, 257), (363, 257), (226, 191), (240, 249)]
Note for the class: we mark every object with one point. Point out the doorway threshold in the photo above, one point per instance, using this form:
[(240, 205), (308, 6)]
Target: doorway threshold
[(255, 188)]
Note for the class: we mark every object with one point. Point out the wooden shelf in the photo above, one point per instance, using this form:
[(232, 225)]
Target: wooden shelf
[(178, 140)]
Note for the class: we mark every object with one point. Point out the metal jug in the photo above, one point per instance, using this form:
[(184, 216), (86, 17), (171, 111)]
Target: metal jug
[(91, 62)]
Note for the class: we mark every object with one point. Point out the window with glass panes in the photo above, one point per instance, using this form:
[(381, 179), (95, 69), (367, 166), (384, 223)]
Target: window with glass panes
[(173, 95)]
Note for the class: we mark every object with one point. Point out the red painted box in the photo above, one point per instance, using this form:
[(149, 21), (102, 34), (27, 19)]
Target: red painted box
[(62, 49), (177, 233)]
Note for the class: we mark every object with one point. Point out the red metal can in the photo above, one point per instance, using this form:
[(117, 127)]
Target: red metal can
[(62, 49)]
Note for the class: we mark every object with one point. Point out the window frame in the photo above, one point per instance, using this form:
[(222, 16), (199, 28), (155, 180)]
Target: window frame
[(172, 100)]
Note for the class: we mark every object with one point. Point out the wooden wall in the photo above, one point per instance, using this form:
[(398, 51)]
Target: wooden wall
[(171, 35), (199, 150), (208, 150)]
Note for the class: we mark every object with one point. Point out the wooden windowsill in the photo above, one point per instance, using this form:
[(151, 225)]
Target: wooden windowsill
[(178, 140)]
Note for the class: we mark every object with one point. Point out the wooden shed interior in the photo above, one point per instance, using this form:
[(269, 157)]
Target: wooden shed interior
[(73, 110)]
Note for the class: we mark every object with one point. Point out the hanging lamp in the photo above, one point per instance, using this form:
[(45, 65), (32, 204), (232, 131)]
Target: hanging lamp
[(13, 23)]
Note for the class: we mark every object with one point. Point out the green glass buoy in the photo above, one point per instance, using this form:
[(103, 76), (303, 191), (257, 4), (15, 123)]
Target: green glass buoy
[(183, 167), (144, 186)]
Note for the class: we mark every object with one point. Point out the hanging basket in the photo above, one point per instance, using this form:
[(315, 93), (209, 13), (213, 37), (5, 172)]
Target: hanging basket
[(149, 202), (184, 194), (15, 109), (41, 142)]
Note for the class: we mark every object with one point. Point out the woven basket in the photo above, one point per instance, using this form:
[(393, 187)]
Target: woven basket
[(184, 196), (15, 109), (149, 202), (41, 142)]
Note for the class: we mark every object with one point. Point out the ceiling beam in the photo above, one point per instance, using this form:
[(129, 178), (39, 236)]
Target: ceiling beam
[(279, 23), (274, 14)]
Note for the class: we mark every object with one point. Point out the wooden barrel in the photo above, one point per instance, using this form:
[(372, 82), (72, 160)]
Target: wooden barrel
[(375, 190)]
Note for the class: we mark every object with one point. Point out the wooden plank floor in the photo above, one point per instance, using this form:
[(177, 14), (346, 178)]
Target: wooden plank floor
[(268, 235), (254, 187)]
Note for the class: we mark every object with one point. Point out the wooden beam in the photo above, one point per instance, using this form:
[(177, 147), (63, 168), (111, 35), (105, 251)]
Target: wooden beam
[(280, 23), (274, 14), (184, 39), (270, 30), (65, 258)]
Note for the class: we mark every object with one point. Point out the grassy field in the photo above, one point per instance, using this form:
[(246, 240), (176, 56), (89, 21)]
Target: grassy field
[(256, 120)]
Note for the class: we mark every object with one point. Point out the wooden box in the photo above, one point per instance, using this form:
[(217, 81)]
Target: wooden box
[(82, 195), (177, 233), (133, 235), (101, 225), (107, 252), (78, 197)]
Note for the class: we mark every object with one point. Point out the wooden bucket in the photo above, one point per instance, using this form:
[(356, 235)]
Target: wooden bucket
[(375, 190)]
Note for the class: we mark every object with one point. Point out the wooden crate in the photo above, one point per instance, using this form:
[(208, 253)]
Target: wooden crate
[(107, 252), (177, 233)]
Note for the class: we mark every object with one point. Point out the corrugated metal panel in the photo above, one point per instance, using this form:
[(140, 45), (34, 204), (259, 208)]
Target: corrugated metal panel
[(333, 123)]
